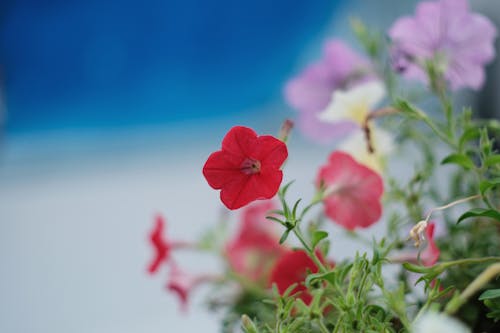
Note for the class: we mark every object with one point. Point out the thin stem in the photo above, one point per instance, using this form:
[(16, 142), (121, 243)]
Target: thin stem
[(469, 261), (476, 285), (322, 326), (451, 204), (437, 131), (310, 251)]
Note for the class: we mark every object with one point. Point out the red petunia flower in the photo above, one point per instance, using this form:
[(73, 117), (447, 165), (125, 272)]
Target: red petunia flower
[(430, 255), (255, 247), (161, 246), (247, 168), (293, 267), (182, 283), (352, 191)]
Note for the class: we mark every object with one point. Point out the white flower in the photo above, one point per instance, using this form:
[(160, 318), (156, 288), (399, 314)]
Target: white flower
[(432, 322), (353, 104), (356, 145)]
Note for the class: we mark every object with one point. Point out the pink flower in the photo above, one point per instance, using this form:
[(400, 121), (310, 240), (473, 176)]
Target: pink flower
[(311, 91), (183, 283), (352, 191), (254, 249), (461, 43), (247, 168)]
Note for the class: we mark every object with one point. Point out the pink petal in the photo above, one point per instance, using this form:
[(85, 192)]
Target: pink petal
[(355, 189), (311, 90)]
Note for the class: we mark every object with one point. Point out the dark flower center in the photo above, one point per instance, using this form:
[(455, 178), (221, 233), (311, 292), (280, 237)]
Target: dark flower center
[(250, 166)]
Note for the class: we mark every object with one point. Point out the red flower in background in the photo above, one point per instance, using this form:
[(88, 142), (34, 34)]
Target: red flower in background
[(182, 283), (161, 246), (353, 191), (247, 168), (255, 248), (293, 267), (430, 255)]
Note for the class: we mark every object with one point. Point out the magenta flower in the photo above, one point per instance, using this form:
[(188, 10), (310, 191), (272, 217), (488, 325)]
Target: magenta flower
[(311, 91), (445, 31)]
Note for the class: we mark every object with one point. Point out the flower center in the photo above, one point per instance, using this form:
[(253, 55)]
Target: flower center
[(250, 166)]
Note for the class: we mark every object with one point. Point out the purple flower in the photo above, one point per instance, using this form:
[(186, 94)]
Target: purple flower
[(445, 31), (311, 91)]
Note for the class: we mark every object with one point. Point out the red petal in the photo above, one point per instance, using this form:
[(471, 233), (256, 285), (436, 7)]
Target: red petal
[(271, 152), (240, 191), (255, 247), (222, 167), (240, 141), (292, 267), (431, 253), (161, 246)]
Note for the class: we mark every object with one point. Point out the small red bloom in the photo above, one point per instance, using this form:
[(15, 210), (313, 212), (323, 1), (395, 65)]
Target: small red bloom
[(183, 283), (353, 191), (293, 267), (256, 246), (247, 168), (161, 246), (430, 255)]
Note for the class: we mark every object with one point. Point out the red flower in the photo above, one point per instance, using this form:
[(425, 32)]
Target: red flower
[(183, 283), (430, 255), (161, 246), (353, 191), (247, 168), (256, 246), (293, 267)]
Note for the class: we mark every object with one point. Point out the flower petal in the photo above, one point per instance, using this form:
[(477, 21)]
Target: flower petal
[(222, 167), (240, 141), (160, 245), (270, 151), (353, 191)]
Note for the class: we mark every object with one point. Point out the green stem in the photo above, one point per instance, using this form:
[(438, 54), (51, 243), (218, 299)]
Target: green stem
[(310, 251), (437, 131), (322, 326), (456, 302), (467, 261)]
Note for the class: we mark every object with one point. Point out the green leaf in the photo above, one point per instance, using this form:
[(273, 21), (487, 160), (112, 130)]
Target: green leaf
[(283, 190), (480, 212), (275, 219), (468, 135), (489, 294), (459, 159), (486, 185), (294, 209), (328, 276), (407, 108), (492, 160), (317, 236), (416, 268), (284, 236)]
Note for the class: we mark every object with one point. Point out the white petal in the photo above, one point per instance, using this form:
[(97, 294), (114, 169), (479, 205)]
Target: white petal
[(353, 104)]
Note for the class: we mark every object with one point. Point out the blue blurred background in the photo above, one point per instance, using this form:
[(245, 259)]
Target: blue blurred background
[(109, 110), (87, 64)]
